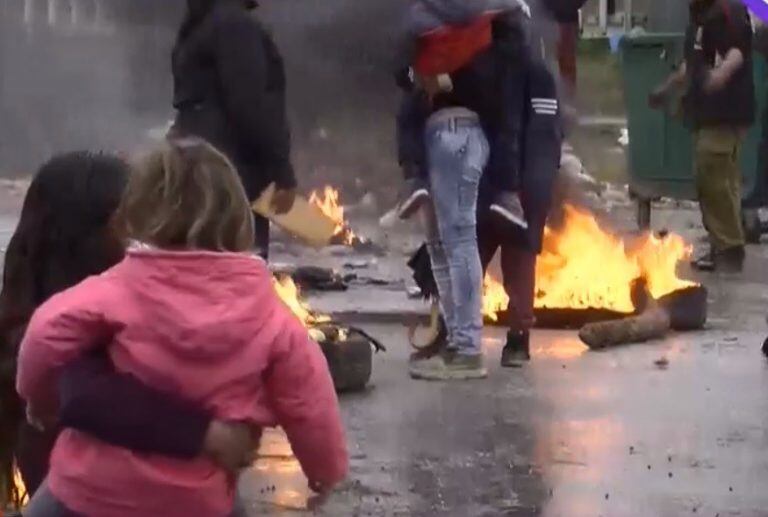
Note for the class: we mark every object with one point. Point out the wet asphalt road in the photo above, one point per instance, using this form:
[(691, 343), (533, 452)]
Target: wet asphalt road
[(576, 433)]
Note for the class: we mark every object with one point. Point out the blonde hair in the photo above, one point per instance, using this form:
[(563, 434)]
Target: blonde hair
[(187, 195)]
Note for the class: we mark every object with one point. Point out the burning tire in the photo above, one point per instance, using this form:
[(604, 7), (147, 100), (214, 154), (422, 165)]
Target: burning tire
[(687, 308), (349, 353), (350, 362)]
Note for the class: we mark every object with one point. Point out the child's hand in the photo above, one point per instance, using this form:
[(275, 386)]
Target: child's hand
[(230, 444), (321, 495), (319, 488)]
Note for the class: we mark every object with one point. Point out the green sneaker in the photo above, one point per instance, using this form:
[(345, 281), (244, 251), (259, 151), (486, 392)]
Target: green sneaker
[(448, 365)]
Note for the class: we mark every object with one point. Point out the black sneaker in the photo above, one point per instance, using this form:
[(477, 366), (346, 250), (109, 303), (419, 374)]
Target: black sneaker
[(705, 261), (415, 192), (517, 351), (730, 260), (508, 206)]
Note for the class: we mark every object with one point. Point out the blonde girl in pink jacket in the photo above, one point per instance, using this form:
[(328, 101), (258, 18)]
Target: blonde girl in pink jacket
[(191, 312)]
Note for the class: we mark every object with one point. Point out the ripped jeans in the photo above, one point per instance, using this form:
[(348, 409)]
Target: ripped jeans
[(457, 152)]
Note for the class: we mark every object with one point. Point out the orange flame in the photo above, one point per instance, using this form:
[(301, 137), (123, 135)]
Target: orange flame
[(584, 266), (20, 495), (289, 293), (329, 203)]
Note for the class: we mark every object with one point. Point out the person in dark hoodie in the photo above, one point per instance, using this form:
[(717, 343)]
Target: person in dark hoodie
[(229, 89), (540, 141), (719, 107)]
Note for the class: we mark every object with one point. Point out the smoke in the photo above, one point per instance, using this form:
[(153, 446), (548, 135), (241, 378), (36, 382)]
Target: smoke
[(104, 83)]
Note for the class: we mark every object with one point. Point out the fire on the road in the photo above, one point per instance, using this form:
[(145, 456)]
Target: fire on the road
[(329, 201), (289, 293), (584, 266)]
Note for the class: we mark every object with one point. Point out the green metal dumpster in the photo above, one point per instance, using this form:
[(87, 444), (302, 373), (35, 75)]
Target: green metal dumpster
[(660, 156)]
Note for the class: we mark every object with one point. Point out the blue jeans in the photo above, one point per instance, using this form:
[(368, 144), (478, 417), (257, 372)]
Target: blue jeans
[(457, 152)]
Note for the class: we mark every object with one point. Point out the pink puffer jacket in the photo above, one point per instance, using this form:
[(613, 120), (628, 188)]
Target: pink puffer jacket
[(206, 327)]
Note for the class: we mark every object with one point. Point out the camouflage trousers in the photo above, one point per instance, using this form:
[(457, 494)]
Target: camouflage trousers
[(717, 153)]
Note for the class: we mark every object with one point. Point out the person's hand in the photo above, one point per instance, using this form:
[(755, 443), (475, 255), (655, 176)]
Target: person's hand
[(319, 488), (321, 491), (657, 98), (230, 444), (282, 200)]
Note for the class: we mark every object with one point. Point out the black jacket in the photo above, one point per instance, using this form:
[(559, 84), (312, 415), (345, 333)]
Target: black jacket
[(541, 149), (229, 88), (492, 87), (540, 142), (716, 27)]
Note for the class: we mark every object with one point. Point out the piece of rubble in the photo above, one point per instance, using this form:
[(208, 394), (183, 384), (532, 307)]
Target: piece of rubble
[(313, 278)]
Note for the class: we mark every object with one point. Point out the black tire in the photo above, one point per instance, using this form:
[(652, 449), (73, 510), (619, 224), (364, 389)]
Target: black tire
[(687, 308), (350, 362)]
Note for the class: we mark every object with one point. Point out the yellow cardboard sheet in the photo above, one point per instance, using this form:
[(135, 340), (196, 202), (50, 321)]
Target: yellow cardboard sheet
[(304, 221)]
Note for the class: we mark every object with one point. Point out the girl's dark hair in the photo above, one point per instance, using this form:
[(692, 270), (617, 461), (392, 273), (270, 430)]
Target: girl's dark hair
[(63, 236)]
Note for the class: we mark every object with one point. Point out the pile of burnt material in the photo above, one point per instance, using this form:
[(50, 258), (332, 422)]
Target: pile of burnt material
[(349, 352), (681, 310)]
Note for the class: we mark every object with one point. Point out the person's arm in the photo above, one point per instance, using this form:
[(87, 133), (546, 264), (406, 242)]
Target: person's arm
[(301, 391), (733, 41), (506, 162), (718, 77), (147, 420), (674, 80), (63, 328), (250, 95)]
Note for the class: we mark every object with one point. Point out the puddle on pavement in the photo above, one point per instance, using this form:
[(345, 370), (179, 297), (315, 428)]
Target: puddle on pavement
[(276, 479)]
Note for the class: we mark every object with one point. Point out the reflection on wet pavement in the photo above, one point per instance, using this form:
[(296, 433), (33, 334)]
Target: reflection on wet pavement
[(276, 478), (576, 433)]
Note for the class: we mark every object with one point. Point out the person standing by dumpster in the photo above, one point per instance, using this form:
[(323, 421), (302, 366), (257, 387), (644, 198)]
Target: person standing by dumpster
[(719, 106)]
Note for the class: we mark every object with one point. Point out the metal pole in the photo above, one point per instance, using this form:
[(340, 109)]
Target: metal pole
[(627, 16), (603, 15)]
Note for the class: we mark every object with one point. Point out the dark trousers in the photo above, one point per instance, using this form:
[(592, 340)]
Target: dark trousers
[(261, 235), (566, 57), (518, 267), (33, 449)]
